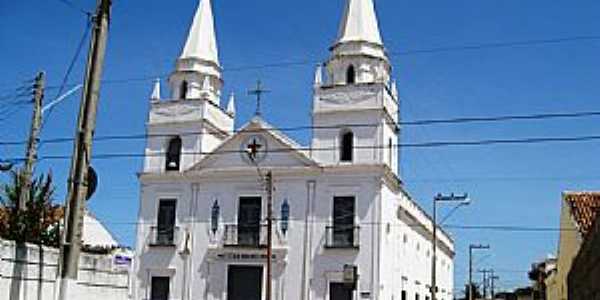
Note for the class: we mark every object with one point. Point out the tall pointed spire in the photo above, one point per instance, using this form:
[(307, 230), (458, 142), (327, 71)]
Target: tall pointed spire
[(359, 23), (202, 41), (156, 90), (231, 104), (358, 55), (318, 76), (197, 71)]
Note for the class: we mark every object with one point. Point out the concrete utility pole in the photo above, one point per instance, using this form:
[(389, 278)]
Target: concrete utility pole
[(464, 200), (82, 152), (493, 279), (267, 180), (269, 186), (32, 143), (485, 281), (471, 248)]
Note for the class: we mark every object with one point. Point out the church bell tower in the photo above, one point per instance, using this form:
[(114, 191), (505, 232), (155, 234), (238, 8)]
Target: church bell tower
[(191, 122), (355, 106)]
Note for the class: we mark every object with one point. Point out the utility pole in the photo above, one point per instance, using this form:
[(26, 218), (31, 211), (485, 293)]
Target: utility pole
[(485, 278), (32, 143), (471, 248), (82, 152), (269, 185), (493, 279), (464, 200), (267, 180)]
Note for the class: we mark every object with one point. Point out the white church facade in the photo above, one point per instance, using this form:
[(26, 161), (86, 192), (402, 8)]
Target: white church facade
[(338, 203)]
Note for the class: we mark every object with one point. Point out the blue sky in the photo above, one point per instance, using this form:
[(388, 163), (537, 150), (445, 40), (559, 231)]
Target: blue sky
[(516, 185)]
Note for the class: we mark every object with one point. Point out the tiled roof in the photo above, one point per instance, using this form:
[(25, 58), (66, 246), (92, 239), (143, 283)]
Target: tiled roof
[(584, 208)]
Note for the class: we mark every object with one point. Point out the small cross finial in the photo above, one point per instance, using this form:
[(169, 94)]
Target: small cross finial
[(258, 92)]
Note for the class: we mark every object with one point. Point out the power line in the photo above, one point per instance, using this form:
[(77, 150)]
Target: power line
[(503, 118), (74, 7), (493, 45), (484, 179), (508, 228), (460, 120), (309, 149), (69, 70), (518, 228), (285, 64)]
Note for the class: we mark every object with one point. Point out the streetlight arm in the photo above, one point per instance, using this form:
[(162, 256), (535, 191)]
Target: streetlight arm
[(61, 98), (447, 216)]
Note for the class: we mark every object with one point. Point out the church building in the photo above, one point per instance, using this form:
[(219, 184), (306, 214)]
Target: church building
[(343, 225)]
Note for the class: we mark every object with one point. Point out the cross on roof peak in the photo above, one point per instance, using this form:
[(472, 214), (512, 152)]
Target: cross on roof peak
[(258, 91)]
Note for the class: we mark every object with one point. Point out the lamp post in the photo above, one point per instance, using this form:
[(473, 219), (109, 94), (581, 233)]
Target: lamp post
[(463, 200), (471, 248)]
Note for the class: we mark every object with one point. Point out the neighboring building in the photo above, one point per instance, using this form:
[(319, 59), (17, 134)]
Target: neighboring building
[(579, 210), (539, 274), (584, 277), (94, 236), (339, 203), (30, 273)]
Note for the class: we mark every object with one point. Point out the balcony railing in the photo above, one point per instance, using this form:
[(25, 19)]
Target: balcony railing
[(342, 237), (163, 236), (246, 235)]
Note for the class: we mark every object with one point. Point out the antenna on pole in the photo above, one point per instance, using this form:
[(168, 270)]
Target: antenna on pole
[(258, 92)]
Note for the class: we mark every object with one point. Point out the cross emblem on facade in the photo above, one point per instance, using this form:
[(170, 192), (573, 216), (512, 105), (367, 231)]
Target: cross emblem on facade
[(253, 148), (258, 92)]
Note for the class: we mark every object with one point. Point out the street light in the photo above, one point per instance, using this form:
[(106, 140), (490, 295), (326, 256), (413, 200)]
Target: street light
[(471, 248), (463, 200)]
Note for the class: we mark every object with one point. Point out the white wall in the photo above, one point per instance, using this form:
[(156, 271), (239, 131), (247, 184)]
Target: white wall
[(25, 276), (385, 262), (406, 248)]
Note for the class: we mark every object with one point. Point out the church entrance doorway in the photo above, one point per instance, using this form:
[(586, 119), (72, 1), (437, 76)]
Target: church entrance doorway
[(339, 291), (244, 283)]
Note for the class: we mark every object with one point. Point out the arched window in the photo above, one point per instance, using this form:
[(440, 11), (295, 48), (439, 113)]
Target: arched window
[(183, 91), (346, 146), (351, 75), (173, 157)]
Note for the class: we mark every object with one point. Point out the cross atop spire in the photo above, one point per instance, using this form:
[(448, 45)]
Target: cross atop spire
[(359, 23), (258, 92), (202, 42)]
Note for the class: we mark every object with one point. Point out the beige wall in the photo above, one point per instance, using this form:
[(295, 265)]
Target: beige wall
[(568, 246), (585, 272)]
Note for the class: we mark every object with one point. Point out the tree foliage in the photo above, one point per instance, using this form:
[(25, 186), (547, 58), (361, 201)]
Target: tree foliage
[(39, 223)]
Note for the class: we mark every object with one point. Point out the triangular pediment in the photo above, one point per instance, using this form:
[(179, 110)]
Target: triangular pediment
[(273, 149)]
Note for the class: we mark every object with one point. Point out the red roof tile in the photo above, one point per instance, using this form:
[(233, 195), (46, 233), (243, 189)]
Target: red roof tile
[(584, 208)]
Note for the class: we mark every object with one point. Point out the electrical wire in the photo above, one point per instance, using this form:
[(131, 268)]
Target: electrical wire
[(482, 46), (68, 73), (502, 228), (74, 7), (461, 120), (306, 149)]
